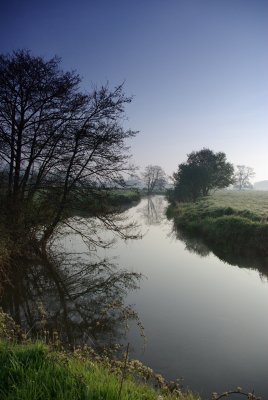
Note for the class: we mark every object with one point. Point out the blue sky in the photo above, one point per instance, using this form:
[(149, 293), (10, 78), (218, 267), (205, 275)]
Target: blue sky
[(198, 69)]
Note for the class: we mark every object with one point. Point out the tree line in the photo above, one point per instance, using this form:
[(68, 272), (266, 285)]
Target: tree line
[(203, 172), (58, 143)]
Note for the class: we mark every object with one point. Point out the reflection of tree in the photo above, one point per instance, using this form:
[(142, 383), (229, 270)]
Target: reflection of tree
[(193, 244), (154, 178), (153, 211), (226, 253), (80, 300), (81, 296)]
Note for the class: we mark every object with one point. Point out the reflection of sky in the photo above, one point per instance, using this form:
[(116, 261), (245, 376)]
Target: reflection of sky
[(204, 320), (198, 70)]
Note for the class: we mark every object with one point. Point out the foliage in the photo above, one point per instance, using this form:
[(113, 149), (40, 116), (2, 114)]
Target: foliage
[(33, 370), (61, 150), (203, 172), (154, 178), (117, 197), (57, 142), (8, 328), (103, 202)]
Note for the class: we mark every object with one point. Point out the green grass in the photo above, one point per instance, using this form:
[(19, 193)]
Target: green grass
[(105, 201), (234, 220), (123, 196), (251, 200), (33, 372)]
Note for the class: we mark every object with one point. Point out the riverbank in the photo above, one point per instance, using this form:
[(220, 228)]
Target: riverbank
[(193, 339), (236, 221), (104, 201), (32, 370)]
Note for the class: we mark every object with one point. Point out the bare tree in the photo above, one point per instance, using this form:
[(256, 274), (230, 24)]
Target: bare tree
[(242, 177), (57, 142), (154, 178)]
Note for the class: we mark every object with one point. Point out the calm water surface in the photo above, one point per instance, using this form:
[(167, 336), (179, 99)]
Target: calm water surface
[(205, 320)]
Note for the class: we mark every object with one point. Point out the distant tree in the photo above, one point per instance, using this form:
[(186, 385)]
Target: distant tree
[(57, 143), (242, 177), (154, 178), (203, 172)]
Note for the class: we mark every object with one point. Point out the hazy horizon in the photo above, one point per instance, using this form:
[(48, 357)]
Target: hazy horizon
[(197, 69)]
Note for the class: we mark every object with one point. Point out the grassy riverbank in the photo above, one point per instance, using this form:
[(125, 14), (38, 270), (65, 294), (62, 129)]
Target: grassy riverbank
[(33, 371), (252, 200), (235, 220), (123, 196), (104, 201)]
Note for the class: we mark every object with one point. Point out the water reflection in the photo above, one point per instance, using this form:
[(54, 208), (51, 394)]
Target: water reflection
[(193, 308), (226, 253), (204, 320), (81, 300), (152, 212)]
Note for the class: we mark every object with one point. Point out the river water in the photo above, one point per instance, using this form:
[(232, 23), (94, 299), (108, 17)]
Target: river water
[(205, 320)]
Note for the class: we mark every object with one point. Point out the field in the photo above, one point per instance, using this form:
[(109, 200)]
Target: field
[(252, 200), (234, 221)]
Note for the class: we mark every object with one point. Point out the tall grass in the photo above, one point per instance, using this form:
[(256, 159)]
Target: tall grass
[(32, 371)]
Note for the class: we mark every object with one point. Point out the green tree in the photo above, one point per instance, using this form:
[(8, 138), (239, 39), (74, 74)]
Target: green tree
[(203, 172)]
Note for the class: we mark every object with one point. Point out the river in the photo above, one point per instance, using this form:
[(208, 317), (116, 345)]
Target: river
[(205, 320)]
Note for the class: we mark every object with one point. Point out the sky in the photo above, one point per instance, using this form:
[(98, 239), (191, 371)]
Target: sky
[(197, 69)]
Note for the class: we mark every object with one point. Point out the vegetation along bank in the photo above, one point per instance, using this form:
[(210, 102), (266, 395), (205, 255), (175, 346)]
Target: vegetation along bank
[(35, 370), (234, 220)]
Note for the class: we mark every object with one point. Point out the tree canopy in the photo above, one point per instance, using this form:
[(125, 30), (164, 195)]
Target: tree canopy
[(57, 141), (203, 172)]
